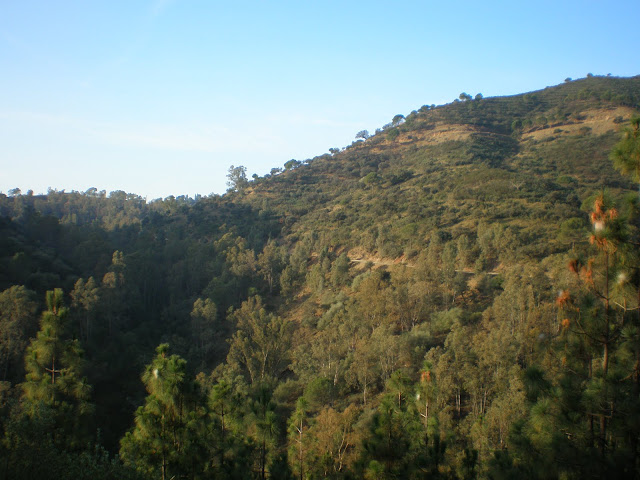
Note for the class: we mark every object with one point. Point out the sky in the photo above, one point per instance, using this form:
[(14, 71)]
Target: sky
[(161, 97)]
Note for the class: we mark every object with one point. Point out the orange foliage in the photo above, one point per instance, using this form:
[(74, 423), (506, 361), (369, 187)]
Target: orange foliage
[(564, 299), (600, 216), (574, 265), (587, 273)]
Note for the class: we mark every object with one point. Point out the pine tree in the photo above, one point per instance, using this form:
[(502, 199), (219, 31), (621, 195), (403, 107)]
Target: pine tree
[(593, 314), (626, 158), (265, 426), (230, 448), (166, 438), (53, 380), (395, 432)]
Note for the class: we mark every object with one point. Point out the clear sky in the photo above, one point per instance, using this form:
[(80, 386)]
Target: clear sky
[(160, 97)]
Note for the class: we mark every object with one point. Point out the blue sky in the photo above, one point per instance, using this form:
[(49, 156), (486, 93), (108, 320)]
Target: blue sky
[(160, 97)]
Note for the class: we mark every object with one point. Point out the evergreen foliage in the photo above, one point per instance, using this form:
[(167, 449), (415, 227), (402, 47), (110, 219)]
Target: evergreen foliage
[(455, 296), (54, 387)]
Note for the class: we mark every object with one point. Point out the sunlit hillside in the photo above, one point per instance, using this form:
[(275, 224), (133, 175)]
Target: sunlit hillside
[(452, 296)]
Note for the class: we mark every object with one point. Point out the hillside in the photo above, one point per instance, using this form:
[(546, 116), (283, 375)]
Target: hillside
[(508, 161), (399, 308)]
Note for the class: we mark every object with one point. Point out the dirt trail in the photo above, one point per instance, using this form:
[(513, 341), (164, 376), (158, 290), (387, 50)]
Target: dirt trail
[(379, 262)]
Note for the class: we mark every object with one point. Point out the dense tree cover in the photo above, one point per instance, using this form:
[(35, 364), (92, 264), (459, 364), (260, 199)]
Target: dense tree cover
[(440, 302)]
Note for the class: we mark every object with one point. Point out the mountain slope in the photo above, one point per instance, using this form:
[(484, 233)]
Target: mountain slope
[(401, 307), (511, 160)]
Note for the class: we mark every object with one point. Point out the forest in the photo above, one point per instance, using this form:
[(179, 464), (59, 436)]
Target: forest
[(455, 296)]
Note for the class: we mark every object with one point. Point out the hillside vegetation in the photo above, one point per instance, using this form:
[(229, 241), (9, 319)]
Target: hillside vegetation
[(454, 296)]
